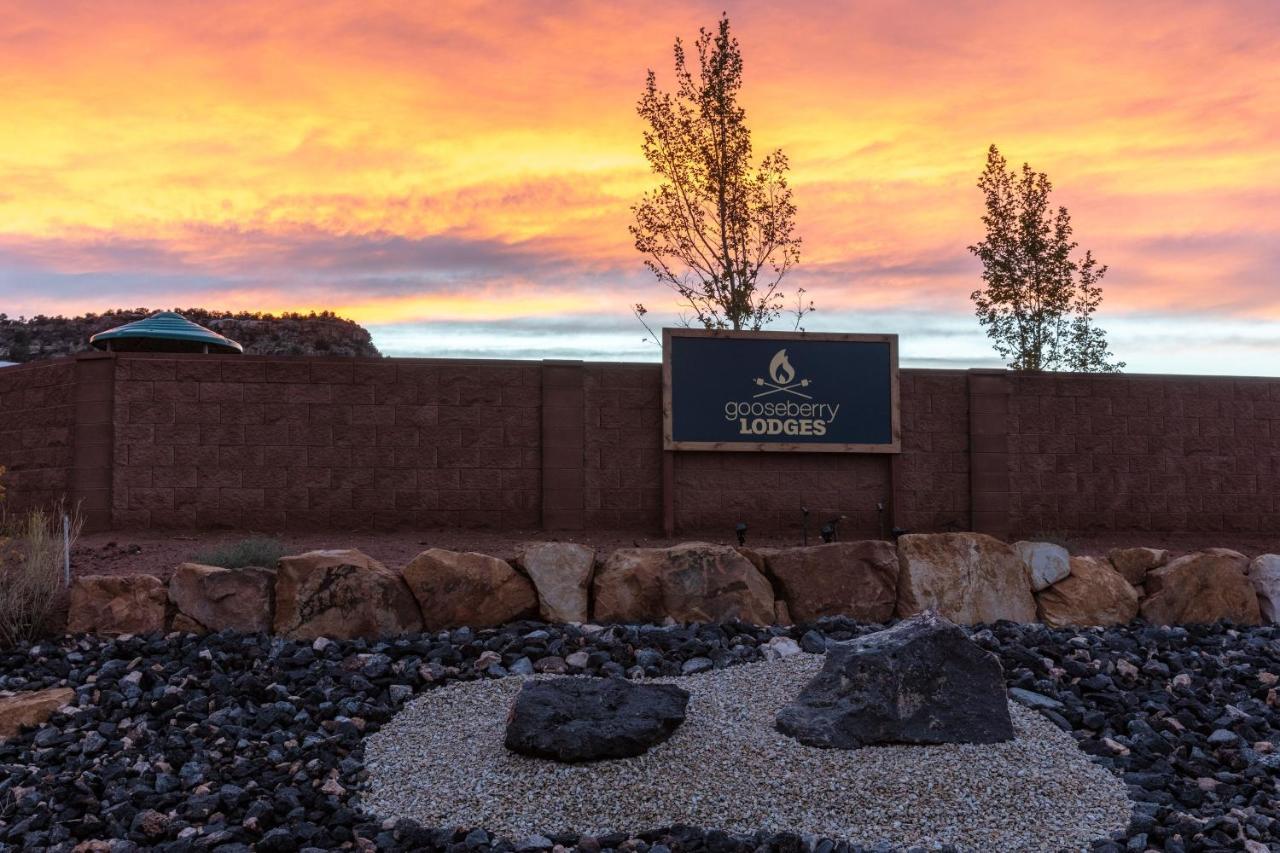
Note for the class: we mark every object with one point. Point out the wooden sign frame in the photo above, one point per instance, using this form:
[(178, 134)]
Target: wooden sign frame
[(668, 443)]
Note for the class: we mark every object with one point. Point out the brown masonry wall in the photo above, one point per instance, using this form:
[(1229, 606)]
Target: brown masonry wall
[(1177, 453), (37, 417), (285, 443), (268, 443)]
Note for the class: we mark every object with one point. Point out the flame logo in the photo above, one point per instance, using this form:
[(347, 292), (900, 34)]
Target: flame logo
[(780, 369)]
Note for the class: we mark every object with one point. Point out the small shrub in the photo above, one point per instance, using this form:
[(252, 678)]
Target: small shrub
[(254, 551), (32, 579)]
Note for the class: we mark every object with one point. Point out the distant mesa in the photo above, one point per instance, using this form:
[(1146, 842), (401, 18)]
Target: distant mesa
[(317, 334)]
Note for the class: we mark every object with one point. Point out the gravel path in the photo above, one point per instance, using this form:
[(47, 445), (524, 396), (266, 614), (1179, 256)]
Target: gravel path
[(441, 761)]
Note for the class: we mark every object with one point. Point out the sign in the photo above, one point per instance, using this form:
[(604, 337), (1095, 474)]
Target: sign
[(780, 391)]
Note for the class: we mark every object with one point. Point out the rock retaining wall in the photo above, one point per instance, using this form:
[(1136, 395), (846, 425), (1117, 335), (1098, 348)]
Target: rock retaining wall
[(969, 578)]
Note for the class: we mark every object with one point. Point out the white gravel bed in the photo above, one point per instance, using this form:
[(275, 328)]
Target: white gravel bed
[(441, 761)]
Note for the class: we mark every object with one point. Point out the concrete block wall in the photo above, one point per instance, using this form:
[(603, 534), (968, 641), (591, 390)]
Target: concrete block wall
[(931, 476), (714, 491), (1134, 452), (622, 417), (272, 443), (37, 430)]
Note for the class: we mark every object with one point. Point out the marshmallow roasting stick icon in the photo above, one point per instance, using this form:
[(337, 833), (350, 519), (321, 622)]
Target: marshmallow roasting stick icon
[(783, 374)]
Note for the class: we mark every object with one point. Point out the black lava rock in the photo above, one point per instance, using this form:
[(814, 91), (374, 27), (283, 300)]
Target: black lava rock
[(588, 719), (268, 721), (921, 681)]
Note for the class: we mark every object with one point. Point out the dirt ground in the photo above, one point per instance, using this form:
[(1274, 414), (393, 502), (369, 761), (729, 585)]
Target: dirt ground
[(152, 552)]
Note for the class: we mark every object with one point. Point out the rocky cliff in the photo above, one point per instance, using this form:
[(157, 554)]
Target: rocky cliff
[(26, 339)]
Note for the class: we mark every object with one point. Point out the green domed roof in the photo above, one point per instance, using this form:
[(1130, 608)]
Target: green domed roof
[(164, 331)]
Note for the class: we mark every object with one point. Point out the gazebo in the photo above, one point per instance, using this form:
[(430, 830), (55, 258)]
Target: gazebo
[(164, 331)]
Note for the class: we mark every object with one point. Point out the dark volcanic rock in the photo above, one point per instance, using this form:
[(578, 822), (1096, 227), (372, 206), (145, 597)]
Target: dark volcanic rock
[(274, 730), (922, 681), (588, 719)]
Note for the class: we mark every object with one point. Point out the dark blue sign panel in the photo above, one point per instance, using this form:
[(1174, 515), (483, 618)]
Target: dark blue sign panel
[(778, 391)]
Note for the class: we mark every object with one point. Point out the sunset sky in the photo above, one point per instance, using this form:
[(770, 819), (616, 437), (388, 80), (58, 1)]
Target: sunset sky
[(459, 176)]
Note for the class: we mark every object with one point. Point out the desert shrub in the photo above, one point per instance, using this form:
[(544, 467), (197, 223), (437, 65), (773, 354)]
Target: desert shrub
[(32, 579), (254, 551)]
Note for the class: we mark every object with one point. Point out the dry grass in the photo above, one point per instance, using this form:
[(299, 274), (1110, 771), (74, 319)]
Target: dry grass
[(32, 571)]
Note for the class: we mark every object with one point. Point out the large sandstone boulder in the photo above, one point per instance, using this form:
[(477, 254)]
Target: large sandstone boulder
[(561, 574), (758, 556), (184, 624), (341, 595), (1092, 594), (218, 599), (969, 578), (855, 579), (456, 589), (921, 681), (1134, 563), (1048, 563), (1200, 588), (1264, 574), (589, 719), (693, 582), (32, 708), (116, 604)]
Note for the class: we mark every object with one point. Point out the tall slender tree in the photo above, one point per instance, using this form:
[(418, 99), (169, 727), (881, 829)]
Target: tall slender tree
[(717, 231), (1038, 301)]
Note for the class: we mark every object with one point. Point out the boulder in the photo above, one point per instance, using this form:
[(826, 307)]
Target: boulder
[(758, 556), (456, 588), (341, 595), (218, 598), (1201, 588), (1134, 563), (693, 582), (921, 681), (1264, 574), (589, 719), (781, 613), (854, 579), (31, 708), (561, 574), (969, 578), (116, 604), (1093, 594), (780, 648), (184, 624), (1047, 563)]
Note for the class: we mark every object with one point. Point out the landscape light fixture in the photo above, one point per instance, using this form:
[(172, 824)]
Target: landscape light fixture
[(804, 525), (741, 529)]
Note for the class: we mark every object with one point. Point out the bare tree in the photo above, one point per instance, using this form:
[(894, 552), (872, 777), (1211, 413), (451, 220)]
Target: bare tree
[(718, 231), (1038, 302)]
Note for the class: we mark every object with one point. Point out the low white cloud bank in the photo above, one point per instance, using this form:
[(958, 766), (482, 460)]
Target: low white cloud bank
[(1199, 344)]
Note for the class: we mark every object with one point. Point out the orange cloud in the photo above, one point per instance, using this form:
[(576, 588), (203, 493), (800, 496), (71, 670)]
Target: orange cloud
[(238, 151)]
